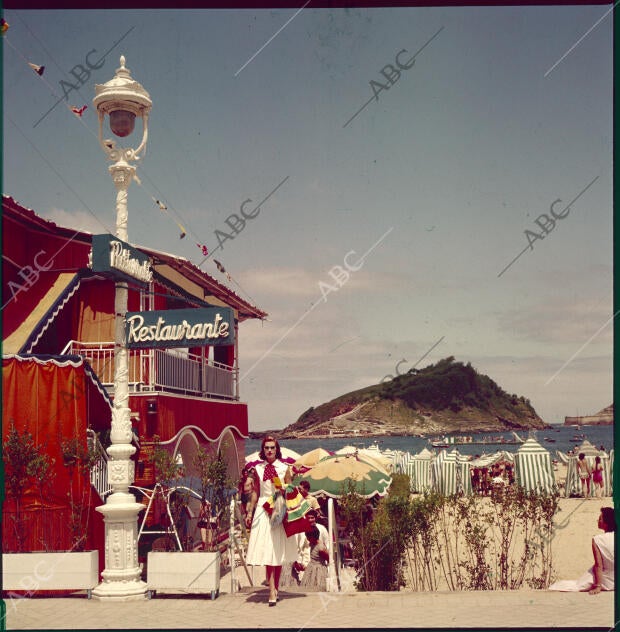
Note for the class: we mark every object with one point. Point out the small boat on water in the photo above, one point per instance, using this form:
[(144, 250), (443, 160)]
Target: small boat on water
[(549, 440)]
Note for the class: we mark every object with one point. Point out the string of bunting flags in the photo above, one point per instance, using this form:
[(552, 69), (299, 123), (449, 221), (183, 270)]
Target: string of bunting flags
[(78, 112)]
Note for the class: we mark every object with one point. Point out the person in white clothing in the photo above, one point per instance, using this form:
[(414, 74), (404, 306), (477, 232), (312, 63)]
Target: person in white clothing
[(268, 545), (601, 575)]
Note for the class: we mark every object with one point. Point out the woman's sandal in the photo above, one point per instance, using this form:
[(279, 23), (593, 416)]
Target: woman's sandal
[(273, 598)]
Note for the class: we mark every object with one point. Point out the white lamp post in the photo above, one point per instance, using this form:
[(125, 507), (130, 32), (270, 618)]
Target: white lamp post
[(122, 99)]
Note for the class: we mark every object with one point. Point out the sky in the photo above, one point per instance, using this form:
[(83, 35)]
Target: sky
[(394, 207)]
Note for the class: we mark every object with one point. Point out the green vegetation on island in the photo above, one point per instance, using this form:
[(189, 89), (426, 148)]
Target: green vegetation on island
[(448, 396)]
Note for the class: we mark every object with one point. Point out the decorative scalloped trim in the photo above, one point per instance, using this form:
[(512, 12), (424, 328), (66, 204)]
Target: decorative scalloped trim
[(204, 434), (51, 315)]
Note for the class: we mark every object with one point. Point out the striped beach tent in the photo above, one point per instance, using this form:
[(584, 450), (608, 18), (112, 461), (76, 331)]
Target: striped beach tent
[(533, 466), (436, 470), (573, 484), (419, 471), (449, 474), (588, 449), (400, 460), (463, 474)]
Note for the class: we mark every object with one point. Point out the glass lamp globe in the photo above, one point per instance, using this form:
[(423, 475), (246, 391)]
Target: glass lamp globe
[(122, 122)]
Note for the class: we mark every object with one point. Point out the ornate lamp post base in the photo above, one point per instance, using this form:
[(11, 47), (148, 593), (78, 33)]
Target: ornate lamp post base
[(121, 577)]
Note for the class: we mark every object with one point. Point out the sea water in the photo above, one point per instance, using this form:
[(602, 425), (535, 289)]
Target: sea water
[(565, 438)]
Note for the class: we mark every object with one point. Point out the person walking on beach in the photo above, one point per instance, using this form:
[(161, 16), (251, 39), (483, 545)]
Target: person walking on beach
[(268, 545), (601, 575), (597, 477), (583, 469)]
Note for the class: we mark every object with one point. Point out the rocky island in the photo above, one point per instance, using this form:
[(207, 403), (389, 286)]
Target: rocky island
[(446, 397)]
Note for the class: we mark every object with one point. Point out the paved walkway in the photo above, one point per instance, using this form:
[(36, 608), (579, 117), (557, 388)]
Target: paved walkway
[(298, 611)]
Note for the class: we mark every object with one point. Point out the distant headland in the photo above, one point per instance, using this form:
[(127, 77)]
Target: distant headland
[(443, 398)]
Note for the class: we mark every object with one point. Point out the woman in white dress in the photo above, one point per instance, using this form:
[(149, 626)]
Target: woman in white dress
[(601, 575), (268, 546)]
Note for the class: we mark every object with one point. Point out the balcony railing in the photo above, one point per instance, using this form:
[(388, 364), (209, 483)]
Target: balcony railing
[(160, 370)]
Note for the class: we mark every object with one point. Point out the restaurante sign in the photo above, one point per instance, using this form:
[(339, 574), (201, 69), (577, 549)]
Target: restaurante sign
[(180, 328), (110, 254)]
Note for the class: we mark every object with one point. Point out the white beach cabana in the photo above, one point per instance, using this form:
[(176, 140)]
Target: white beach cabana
[(533, 467)]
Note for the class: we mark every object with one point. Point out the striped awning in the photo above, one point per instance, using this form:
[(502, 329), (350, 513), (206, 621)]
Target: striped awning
[(26, 336), (533, 467)]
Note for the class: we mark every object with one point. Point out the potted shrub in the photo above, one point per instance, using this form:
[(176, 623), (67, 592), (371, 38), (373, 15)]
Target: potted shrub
[(29, 474), (197, 570)]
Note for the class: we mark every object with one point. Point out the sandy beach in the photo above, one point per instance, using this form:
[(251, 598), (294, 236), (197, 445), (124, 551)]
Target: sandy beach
[(575, 525)]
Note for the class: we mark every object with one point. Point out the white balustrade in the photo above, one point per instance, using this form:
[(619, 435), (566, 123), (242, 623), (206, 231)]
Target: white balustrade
[(159, 369)]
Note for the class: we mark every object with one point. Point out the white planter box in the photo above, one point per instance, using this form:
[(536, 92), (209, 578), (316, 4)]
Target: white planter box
[(70, 570), (190, 572)]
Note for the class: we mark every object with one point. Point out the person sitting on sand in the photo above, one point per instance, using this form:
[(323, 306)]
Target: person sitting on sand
[(601, 575)]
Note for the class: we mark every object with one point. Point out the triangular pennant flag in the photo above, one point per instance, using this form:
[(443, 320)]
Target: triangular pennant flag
[(38, 69), (79, 111), (204, 249), (4, 26), (220, 267), (161, 205), (183, 231)]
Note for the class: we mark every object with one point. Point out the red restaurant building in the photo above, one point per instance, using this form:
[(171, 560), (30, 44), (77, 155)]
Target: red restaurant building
[(58, 318)]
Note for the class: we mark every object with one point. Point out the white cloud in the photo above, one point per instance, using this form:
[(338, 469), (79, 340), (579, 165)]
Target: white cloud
[(561, 320)]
